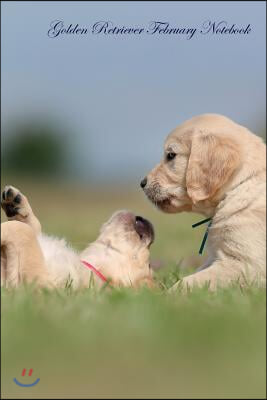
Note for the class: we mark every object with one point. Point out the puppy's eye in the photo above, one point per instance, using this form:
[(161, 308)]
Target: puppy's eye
[(170, 156)]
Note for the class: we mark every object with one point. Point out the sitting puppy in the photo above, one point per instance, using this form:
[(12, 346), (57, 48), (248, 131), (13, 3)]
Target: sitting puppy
[(120, 255), (216, 167)]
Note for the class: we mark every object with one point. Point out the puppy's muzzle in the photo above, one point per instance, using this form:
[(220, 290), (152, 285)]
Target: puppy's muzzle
[(144, 228)]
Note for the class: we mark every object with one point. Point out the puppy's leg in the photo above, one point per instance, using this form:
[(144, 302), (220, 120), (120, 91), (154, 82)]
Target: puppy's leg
[(23, 258), (17, 208), (221, 273)]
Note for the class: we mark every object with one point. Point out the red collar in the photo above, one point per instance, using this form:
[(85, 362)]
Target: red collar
[(92, 268)]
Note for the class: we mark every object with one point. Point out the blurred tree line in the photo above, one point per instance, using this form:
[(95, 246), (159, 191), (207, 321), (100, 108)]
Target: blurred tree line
[(37, 148), (34, 149)]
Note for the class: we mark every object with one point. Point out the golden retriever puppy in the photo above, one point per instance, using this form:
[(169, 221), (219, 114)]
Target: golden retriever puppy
[(119, 256), (217, 168)]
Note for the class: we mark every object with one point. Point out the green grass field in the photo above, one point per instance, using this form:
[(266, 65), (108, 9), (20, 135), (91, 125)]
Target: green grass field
[(125, 343)]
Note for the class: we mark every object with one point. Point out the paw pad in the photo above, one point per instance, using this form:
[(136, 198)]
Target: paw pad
[(10, 200)]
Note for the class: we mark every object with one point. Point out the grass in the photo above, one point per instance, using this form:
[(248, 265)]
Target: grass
[(125, 343)]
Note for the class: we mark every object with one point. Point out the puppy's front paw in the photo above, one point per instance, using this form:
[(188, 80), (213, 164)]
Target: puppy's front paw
[(14, 203)]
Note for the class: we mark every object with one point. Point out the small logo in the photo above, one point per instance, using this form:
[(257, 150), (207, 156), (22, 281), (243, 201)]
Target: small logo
[(25, 384)]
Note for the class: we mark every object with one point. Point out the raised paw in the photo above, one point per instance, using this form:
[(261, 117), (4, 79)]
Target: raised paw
[(14, 203)]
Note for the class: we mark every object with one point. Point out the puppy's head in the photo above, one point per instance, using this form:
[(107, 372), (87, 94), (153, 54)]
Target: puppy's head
[(200, 157), (127, 238)]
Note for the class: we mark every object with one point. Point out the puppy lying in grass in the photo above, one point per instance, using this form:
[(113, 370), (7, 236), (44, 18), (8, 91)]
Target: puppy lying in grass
[(216, 167), (119, 256)]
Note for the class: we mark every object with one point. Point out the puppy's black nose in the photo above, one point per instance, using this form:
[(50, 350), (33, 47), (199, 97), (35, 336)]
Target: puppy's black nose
[(143, 183)]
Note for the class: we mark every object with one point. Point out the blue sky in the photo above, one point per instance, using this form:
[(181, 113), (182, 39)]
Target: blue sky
[(121, 95)]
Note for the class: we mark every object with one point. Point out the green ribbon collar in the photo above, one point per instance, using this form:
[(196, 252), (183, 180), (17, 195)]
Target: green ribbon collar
[(206, 233)]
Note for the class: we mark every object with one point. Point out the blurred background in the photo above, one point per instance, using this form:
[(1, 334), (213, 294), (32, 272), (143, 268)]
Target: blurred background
[(98, 107), (83, 120)]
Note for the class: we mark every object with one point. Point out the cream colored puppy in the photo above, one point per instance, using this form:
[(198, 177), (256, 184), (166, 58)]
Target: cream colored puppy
[(217, 168), (119, 255)]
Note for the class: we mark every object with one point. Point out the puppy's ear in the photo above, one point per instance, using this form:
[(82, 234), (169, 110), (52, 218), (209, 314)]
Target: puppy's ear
[(212, 162)]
